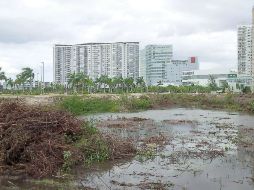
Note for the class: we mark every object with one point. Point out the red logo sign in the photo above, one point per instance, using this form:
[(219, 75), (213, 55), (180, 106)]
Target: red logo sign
[(193, 59)]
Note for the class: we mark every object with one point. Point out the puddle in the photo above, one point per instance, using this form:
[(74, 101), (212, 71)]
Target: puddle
[(181, 149), (201, 152)]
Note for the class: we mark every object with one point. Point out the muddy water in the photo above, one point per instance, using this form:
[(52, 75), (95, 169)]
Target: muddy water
[(201, 151), (202, 154)]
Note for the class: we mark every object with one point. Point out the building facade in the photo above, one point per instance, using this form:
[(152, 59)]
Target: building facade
[(245, 65), (142, 64), (96, 59), (159, 68), (237, 82), (61, 63), (156, 59), (175, 68)]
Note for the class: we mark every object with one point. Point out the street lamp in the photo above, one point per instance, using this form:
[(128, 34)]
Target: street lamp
[(42, 78)]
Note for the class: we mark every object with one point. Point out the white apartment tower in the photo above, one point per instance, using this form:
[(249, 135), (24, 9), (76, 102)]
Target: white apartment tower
[(245, 65), (96, 59), (62, 63)]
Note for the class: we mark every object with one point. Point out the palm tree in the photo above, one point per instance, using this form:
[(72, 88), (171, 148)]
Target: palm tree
[(119, 82), (129, 82), (28, 75), (115, 82), (140, 83), (212, 83), (103, 80), (20, 80), (9, 82), (2, 75), (89, 83), (110, 84), (73, 81), (81, 80)]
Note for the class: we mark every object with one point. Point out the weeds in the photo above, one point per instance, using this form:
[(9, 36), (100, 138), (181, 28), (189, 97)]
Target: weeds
[(84, 105), (79, 105)]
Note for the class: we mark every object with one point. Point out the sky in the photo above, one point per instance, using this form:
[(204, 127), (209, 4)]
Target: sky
[(207, 29)]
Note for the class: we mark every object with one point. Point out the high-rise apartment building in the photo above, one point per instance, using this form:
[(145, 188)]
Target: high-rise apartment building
[(62, 63), (158, 67), (245, 65), (96, 59)]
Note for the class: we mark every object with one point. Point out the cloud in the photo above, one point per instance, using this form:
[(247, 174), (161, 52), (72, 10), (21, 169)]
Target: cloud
[(28, 28)]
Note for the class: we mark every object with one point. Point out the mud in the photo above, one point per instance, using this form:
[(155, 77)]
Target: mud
[(177, 149)]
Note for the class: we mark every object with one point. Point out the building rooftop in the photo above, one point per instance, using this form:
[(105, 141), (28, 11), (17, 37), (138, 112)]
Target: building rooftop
[(95, 43)]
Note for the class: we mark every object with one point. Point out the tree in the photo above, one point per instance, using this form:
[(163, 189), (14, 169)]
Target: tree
[(2, 75), (81, 81), (246, 90), (140, 83), (9, 82), (90, 84), (28, 76), (129, 83), (212, 83), (84, 81), (103, 79), (20, 80), (120, 82), (73, 81), (109, 82), (225, 86)]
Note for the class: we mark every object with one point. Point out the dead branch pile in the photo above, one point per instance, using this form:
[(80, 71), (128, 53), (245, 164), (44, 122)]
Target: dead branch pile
[(34, 138), (119, 148)]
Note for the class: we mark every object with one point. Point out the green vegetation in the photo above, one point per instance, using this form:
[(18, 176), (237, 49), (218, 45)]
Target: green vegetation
[(91, 137), (79, 83), (81, 105)]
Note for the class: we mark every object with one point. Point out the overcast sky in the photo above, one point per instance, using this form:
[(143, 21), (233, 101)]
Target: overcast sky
[(207, 29)]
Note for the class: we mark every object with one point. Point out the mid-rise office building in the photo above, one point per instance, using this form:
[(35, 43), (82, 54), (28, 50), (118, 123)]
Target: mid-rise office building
[(175, 68), (96, 59), (245, 65), (159, 67), (156, 59)]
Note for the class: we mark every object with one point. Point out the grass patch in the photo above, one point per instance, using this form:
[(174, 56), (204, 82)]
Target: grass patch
[(82, 106)]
